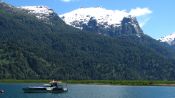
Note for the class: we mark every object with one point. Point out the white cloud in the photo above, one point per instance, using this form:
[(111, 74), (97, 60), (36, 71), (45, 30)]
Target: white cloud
[(142, 14), (143, 21), (66, 1), (140, 11)]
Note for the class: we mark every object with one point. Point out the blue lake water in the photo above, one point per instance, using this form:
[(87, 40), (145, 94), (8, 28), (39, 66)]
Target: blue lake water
[(92, 91)]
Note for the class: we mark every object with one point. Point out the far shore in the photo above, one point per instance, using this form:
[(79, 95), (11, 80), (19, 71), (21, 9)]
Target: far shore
[(100, 82)]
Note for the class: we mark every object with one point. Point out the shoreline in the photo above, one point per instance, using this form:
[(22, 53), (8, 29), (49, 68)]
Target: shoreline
[(100, 82)]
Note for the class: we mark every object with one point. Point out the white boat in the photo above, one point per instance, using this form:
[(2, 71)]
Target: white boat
[(52, 87)]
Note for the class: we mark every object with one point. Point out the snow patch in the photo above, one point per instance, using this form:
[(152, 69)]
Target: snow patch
[(40, 12), (168, 39), (102, 15)]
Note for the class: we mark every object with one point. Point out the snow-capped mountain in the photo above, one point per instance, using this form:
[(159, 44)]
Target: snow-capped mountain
[(170, 39), (102, 21), (94, 19), (41, 12), (102, 15)]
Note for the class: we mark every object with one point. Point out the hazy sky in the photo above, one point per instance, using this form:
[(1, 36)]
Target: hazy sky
[(159, 22)]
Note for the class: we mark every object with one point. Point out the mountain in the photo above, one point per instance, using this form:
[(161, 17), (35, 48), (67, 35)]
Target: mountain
[(32, 48), (41, 12), (106, 22), (170, 39)]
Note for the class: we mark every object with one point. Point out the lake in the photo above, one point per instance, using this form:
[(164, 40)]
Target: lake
[(92, 91)]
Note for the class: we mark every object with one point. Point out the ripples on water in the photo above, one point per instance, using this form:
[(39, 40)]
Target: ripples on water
[(92, 91)]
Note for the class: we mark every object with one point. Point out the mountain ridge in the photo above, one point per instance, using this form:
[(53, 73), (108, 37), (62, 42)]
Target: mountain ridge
[(106, 22), (38, 50), (170, 39), (41, 12)]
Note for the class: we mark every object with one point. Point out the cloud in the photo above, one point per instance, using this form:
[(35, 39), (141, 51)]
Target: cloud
[(140, 11), (142, 14), (142, 22), (67, 1)]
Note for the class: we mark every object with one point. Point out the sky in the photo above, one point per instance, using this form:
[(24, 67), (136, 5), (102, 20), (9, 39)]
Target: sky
[(156, 17)]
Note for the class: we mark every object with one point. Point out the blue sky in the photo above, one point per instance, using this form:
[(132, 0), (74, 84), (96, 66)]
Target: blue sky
[(159, 23)]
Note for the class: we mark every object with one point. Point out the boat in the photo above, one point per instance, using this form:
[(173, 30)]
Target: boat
[(52, 87)]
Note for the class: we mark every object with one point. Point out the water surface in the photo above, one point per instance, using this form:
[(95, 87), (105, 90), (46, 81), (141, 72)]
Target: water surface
[(92, 91)]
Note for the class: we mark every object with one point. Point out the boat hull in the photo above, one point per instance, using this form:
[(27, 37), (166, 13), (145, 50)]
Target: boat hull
[(44, 90)]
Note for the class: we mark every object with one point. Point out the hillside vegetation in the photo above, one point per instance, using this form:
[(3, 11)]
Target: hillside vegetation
[(33, 49)]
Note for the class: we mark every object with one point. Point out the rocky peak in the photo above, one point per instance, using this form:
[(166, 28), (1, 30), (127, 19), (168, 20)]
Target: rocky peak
[(41, 12), (130, 25), (106, 22)]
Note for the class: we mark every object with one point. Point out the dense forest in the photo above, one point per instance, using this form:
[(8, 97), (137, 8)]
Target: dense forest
[(35, 49)]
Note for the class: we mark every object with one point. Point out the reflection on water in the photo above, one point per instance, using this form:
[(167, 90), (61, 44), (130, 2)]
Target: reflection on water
[(92, 91)]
